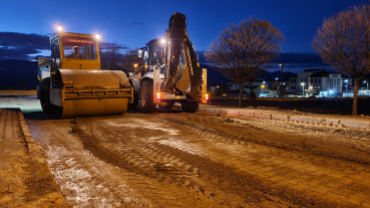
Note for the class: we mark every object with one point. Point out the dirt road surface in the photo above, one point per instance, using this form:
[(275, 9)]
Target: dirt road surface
[(25, 180), (202, 160)]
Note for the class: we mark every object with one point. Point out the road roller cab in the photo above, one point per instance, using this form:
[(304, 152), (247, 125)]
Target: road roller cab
[(72, 83)]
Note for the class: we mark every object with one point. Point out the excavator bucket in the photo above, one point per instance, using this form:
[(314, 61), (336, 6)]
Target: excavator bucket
[(93, 92), (180, 39)]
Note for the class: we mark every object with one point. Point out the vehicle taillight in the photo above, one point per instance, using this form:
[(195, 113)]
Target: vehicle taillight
[(158, 95)]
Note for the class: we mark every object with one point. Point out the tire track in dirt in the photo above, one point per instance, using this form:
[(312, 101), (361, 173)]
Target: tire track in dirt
[(197, 160), (78, 173), (237, 134), (168, 174), (258, 191)]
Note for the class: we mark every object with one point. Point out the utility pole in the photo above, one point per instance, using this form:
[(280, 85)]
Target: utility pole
[(303, 88), (281, 81), (367, 87)]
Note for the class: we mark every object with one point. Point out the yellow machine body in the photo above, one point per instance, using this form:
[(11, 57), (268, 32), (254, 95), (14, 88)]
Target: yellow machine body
[(94, 92), (79, 87)]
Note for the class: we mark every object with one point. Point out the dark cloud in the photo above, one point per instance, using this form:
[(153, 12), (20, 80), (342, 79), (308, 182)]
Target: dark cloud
[(29, 46), (293, 59), (300, 58), (17, 52), (21, 45), (32, 40), (133, 24), (108, 46)]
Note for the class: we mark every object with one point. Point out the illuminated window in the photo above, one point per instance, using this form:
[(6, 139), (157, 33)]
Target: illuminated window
[(86, 48)]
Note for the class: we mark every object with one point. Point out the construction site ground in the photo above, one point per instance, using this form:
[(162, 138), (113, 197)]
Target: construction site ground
[(25, 180), (176, 159)]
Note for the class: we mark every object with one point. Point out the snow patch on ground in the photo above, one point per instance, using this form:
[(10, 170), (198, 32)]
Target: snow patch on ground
[(180, 145), (143, 124)]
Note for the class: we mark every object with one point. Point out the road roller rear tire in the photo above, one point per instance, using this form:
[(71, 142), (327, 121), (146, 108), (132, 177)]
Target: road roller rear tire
[(46, 106), (190, 107), (45, 96), (146, 96)]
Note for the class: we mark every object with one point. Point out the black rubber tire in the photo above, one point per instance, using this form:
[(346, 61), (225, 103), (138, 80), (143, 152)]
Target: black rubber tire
[(38, 91), (168, 106), (146, 96), (190, 107), (46, 106), (133, 106), (45, 96)]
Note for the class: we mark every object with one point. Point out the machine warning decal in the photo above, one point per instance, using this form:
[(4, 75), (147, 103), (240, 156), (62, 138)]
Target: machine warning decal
[(78, 41)]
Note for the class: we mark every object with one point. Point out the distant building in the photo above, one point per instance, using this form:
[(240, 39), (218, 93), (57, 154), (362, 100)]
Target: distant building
[(310, 82), (316, 82), (302, 81)]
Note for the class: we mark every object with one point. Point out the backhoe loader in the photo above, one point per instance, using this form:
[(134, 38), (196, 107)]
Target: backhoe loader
[(72, 83), (169, 71)]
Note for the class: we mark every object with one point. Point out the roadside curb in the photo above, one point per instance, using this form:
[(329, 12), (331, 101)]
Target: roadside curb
[(30, 141), (289, 118), (36, 155)]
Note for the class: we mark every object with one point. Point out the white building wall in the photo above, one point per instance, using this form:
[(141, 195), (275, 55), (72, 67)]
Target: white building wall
[(335, 82), (324, 83)]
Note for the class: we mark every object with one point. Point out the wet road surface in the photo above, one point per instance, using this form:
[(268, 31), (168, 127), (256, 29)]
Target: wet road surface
[(202, 160)]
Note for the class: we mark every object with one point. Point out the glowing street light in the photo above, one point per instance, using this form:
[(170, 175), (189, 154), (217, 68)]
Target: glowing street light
[(97, 36), (302, 83), (367, 84), (60, 28), (163, 41), (346, 81), (136, 65), (263, 87)]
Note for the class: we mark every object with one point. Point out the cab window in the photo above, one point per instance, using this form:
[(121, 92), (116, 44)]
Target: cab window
[(79, 48)]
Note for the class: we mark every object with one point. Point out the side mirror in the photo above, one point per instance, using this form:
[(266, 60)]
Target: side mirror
[(140, 53)]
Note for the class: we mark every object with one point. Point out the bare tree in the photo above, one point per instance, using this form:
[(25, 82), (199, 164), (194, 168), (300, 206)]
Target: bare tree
[(343, 41), (109, 53), (129, 60), (241, 52)]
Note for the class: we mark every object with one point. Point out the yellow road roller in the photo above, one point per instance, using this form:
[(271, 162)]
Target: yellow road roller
[(72, 84)]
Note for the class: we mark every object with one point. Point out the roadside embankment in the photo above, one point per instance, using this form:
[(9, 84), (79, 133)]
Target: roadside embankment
[(359, 122), (25, 179)]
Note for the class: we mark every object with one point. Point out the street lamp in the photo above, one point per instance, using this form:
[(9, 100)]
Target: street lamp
[(303, 88), (263, 86), (282, 77), (367, 85)]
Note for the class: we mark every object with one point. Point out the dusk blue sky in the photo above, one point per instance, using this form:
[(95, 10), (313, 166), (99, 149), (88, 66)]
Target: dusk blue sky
[(134, 23)]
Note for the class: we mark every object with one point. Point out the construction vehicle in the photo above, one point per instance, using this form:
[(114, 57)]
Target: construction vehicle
[(72, 84), (169, 71)]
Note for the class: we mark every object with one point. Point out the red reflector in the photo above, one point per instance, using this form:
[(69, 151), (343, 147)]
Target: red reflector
[(158, 95)]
